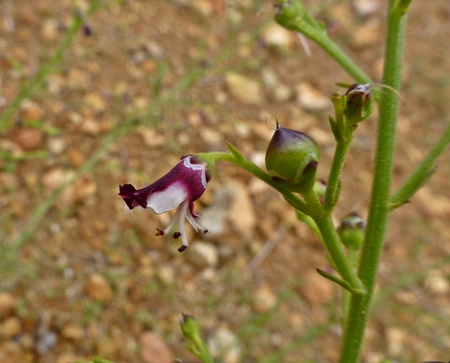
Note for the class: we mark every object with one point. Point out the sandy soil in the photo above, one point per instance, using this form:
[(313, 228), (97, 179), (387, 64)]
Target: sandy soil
[(142, 83)]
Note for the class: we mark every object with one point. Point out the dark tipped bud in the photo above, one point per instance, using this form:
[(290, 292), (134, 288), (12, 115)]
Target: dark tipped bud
[(360, 103), (352, 230), (351, 108), (190, 327), (292, 158)]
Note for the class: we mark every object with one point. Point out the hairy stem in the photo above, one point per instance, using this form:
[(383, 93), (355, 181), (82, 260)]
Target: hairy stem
[(310, 207), (331, 193), (243, 163), (332, 241), (379, 205)]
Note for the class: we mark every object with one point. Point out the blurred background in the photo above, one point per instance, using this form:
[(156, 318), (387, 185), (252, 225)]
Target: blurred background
[(94, 94)]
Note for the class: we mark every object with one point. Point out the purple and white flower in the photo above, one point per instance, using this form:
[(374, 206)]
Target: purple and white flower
[(179, 188)]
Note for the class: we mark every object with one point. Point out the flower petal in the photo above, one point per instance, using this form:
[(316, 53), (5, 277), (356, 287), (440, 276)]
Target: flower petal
[(193, 174), (187, 180), (132, 197), (179, 188), (171, 197)]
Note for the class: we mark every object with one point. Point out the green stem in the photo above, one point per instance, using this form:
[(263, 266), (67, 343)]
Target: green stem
[(402, 6), (379, 206), (422, 172), (332, 190), (353, 258), (243, 163), (312, 208), (342, 58), (332, 241)]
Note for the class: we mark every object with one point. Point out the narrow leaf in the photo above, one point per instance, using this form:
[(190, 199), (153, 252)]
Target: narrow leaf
[(236, 153), (340, 282)]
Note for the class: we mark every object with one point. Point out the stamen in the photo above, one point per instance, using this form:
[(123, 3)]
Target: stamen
[(195, 224), (172, 222), (183, 216)]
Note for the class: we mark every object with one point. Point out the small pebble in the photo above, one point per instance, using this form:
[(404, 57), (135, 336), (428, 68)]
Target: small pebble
[(202, 254), (29, 138), (154, 349), (98, 288), (264, 298), (310, 98), (318, 289), (244, 89), (7, 304), (224, 343), (10, 327), (277, 37), (73, 331)]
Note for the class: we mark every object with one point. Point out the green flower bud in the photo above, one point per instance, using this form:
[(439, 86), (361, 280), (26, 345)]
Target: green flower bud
[(191, 331), (190, 328), (292, 158), (289, 14), (352, 230), (320, 187), (293, 15), (360, 103)]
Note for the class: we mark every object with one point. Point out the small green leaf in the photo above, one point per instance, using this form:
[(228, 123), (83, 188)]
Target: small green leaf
[(403, 195), (340, 282), (235, 152)]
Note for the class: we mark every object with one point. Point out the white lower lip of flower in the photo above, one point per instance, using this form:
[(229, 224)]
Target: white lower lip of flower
[(167, 199)]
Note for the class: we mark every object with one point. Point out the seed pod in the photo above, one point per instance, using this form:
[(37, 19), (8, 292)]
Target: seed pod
[(292, 158)]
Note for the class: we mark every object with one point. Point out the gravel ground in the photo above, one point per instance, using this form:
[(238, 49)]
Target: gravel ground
[(119, 97)]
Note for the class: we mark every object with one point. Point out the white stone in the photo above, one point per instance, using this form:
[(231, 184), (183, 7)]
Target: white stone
[(225, 344), (244, 89), (310, 98), (202, 254)]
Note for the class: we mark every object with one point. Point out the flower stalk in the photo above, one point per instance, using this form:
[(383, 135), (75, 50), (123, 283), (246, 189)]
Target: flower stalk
[(311, 206), (333, 243)]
